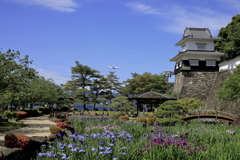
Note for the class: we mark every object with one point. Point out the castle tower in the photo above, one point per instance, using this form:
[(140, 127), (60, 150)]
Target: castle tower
[(196, 64)]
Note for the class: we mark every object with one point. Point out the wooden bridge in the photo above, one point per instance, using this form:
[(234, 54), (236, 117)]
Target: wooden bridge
[(207, 114)]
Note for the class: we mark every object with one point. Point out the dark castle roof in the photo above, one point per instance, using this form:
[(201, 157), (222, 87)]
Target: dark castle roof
[(197, 33), (153, 96)]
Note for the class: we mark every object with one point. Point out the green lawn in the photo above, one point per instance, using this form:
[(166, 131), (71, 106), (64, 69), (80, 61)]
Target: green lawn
[(7, 126)]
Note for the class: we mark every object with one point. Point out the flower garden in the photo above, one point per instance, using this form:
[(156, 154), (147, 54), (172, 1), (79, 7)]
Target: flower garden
[(104, 138)]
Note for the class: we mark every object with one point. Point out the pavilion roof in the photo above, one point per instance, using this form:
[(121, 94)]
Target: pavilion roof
[(153, 96)]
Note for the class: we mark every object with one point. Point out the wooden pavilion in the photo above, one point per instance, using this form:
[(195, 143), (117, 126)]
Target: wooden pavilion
[(153, 98)]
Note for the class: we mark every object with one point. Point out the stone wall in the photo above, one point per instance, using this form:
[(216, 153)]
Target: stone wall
[(205, 85), (194, 84), (214, 103)]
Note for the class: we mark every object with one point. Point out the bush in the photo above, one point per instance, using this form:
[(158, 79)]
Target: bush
[(68, 122), (141, 119), (45, 110), (40, 113), (21, 114), (57, 120), (115, 116), (55, 130), (31, 112), (13, 114), (7, 114), (150, 121), (62, 125), (16, 140), (64, 109), (124, 118)]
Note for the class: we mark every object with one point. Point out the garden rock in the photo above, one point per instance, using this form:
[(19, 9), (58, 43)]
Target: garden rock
[(51, 137), (12, 153)]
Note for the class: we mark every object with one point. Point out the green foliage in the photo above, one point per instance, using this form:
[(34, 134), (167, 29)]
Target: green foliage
[(14, 76), (144, 83), (7, 114), (171, 107), (122, 103), (231, 87), (45, 110), (31, 112), (190, 104), (168, 121), (82, 78), (13, 114), (230, 38)]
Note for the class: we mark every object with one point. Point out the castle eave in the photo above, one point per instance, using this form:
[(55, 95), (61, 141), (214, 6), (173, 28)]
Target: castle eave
[(206, 54)]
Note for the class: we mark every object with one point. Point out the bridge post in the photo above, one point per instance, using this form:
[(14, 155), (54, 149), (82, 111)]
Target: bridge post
[(199, 114)]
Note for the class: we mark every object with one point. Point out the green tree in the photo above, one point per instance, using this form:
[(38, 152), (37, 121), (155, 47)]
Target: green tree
[(190, 104), (97, 87), (143, 83), (82, 79), (113, 86), (169, 110), (230, 39), (231, 87), (15, 74), (171, 107), (123, 104)]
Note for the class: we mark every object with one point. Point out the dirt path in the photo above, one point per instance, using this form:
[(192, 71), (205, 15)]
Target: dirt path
[(35, 126)]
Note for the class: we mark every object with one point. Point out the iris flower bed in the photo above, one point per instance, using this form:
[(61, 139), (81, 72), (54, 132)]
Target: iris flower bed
[(106, 139)]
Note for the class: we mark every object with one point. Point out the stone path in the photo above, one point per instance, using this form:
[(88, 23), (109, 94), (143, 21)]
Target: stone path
[(35, 126)]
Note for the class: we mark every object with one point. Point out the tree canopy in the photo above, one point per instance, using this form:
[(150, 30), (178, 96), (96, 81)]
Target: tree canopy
[(230, 39), (143, 83), (231, 89), (21, 84)]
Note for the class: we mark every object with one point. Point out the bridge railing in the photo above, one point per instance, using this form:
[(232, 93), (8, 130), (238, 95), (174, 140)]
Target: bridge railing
[(210, 112)]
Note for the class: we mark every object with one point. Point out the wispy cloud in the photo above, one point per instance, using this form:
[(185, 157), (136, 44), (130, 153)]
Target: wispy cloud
[(52, 75), (178, 17), (60, 5), (140, 7)]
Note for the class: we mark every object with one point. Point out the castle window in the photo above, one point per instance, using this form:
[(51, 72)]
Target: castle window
[(210, 63), (201, 46), (180, 64), (194, 62), (176, 66)]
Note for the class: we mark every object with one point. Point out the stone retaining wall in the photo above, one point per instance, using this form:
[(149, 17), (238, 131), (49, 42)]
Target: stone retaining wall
[(194, 84)]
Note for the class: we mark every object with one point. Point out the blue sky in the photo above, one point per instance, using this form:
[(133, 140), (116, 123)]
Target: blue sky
[(138, 36)]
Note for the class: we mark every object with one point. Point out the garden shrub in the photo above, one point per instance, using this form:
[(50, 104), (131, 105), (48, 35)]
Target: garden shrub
[(16, 140), (45, 110), (7, 114), (21, 114), (13, 114), (40, 113), (124, 118), (115, 116), (64, 109), (141, 119), (150, 121), (57, 120), (55, 130), (31, 112), (68, 122), (62, 125)]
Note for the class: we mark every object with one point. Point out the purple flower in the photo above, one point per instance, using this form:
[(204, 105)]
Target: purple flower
[(81, 141), (102, 143), (124, 153)]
